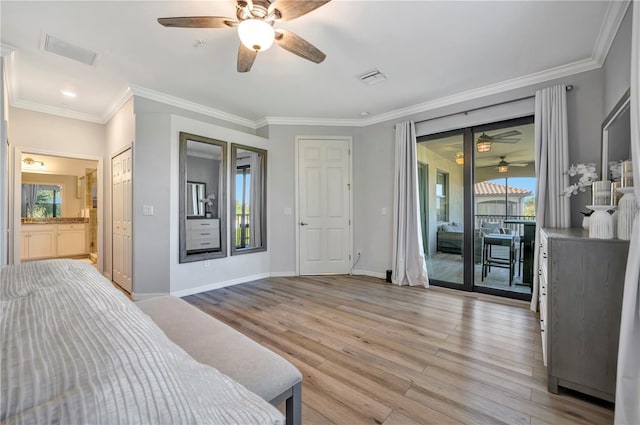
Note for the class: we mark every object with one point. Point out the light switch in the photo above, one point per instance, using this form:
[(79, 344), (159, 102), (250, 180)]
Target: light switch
[(383, 211), (147, 210), (287, 211)]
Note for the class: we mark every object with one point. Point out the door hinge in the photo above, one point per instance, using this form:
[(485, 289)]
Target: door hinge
[(349, 222), (349, 151), (349, 256), (348, 186)]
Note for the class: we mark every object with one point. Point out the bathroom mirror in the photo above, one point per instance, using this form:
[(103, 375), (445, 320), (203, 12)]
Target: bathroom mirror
[(616, 135), (248, 199), (195, 193), (203, 218)]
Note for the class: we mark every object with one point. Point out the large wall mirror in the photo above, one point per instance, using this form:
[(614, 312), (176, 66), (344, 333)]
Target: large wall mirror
[(248, 199), (203, 219), (616, 135)]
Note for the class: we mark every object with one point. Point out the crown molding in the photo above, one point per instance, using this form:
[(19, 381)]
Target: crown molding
[(119, 103), (11, 73), (609, 28), (190, 106), (53, 110), (6, 50), (323, 122)]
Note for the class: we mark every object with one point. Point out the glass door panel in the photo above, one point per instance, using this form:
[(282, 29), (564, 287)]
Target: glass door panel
[(441, 190), (504, 207)]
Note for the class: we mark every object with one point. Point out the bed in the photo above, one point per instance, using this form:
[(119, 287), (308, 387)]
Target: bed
[(76, 350)]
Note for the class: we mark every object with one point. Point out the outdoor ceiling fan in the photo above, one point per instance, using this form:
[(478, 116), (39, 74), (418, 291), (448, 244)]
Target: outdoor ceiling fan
[(255, 20), (484, 141), (503, 166)]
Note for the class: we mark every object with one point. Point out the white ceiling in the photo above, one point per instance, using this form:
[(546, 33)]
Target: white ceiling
[(429, 51)]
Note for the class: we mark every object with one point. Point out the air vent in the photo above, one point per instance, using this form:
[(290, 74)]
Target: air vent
[(372, 77), (60, 47)]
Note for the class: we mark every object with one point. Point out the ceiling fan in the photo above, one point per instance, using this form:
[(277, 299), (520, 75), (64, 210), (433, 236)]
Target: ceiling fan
[(255, 20), (484, 141), (503, 166)]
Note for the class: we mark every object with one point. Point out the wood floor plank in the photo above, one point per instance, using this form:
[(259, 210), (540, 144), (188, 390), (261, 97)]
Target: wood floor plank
[(371, 352)]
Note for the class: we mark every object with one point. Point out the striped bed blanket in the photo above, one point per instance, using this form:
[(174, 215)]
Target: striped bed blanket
[(76, 350)]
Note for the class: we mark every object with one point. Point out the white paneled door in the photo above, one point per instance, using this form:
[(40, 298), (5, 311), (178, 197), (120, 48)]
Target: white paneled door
[(324, 206), (121, 172)]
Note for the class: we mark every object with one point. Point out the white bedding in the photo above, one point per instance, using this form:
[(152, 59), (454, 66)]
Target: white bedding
[(76, 350)]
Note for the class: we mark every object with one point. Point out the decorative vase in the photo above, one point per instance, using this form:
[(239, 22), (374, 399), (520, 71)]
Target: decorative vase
[(601, 223), (627, 210), (585, 222)]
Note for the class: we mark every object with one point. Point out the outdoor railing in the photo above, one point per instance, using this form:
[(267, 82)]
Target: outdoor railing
[(242, 238), (517, 229)]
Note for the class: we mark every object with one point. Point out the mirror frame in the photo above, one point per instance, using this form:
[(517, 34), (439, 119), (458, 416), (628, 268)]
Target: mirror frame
[(232, 197), (184, 256), (606, 124)]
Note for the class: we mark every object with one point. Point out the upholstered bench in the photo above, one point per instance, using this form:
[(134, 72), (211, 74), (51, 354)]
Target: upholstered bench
[(214, 343)]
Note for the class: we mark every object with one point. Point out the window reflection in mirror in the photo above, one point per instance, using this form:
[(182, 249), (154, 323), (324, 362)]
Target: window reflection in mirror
[(202, 206), (616, 136), (248, 199)]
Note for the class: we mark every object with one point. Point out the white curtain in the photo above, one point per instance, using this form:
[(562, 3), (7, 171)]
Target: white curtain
[(255, 200), (409, 267), (29, 195), (628, 377), (552, 161)]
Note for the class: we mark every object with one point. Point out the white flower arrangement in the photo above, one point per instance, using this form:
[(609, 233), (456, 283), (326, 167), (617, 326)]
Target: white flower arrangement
[(587, 174), (209, 200)]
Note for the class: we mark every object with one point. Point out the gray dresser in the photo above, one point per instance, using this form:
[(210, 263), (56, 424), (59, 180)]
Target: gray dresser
[(581, 286)]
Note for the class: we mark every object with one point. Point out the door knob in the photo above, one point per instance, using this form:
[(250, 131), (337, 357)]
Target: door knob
[(302, 223)]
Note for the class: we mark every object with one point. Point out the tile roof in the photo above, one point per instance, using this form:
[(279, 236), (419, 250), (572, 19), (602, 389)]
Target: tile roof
[(489, 189)]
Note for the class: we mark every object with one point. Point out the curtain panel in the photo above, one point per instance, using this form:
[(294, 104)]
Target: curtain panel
[(628, 376), (409, 267), (552, 161)]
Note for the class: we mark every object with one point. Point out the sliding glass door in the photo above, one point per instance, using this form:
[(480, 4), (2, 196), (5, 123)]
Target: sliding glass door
[(477, 189)]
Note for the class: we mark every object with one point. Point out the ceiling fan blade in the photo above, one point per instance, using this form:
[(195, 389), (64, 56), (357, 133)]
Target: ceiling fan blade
[(518, 164), (298, 46), (506, 134), (198, 22), (506, 140), (287, 10), (246, 57)]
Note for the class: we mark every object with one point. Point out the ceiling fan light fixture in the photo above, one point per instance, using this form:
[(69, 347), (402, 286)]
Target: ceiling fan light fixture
[(483, 146), (256, 34), (459, 158), (503, 168)]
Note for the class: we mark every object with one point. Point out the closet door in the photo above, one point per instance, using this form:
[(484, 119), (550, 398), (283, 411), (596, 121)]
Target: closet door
[(121, 168)]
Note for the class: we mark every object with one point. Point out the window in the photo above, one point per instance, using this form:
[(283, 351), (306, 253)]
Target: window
[(42, 201), (442, 196), (243, 193)]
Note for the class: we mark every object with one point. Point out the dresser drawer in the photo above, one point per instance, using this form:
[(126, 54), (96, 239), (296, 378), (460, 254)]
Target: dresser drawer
[(209, 223), (193, 244), (211, 233), (72, 226)]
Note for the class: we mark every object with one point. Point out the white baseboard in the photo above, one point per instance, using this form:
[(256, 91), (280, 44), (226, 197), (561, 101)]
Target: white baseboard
[(283, 274), (370, 273), (218, 285), (140, 297)]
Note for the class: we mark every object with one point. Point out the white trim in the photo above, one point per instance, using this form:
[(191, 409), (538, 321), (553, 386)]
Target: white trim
[(14, 239), (349, 140), (117, 105), (54, 110), (190, 106), (609, 29), (218, 285), (382, 276), (6, 50), (322, 122), (283, 274), (11, 74)]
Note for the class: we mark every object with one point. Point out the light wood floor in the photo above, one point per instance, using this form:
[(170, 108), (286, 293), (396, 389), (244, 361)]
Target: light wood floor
[(370, 352)]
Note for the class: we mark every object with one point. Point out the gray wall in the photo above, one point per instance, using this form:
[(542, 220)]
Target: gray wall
[(373, 158), (617, 66), (282, 180)]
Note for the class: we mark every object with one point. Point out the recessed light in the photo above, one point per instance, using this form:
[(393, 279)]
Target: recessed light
[(364, 114), (68, 93)]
